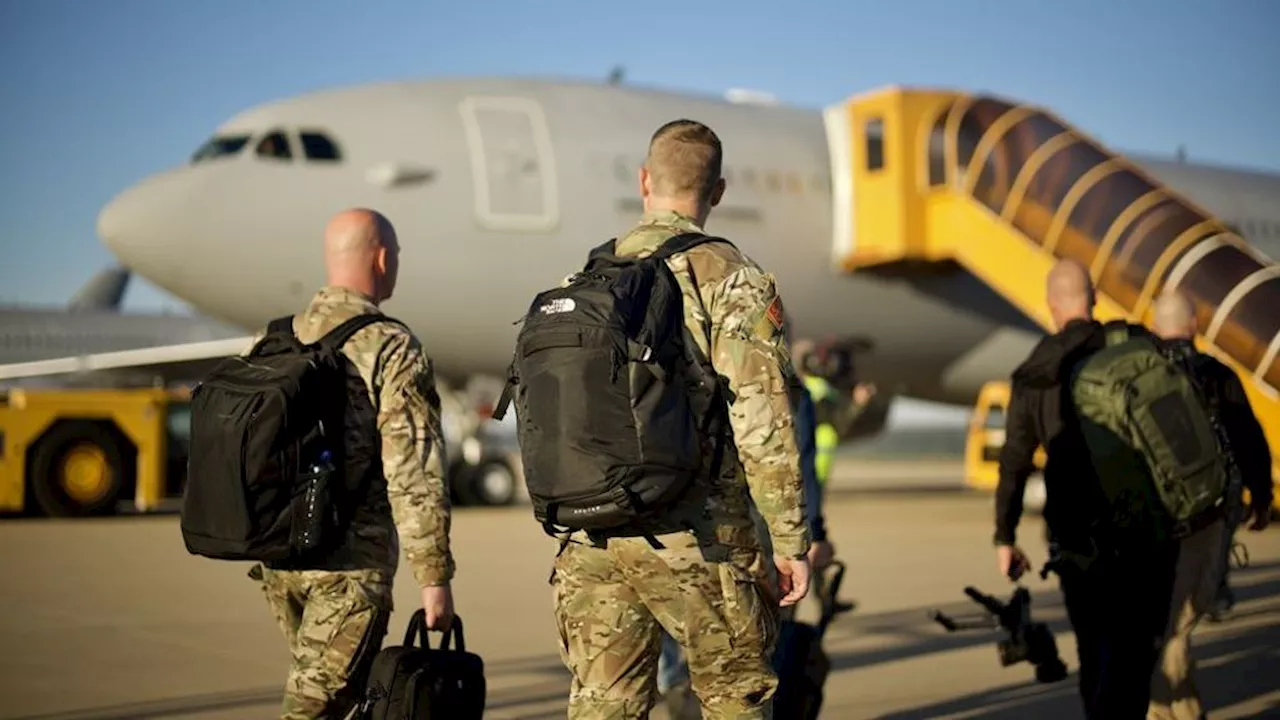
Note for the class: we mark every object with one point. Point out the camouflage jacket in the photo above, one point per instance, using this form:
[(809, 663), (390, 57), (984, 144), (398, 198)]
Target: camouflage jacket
[(734, 313), (406, 501)]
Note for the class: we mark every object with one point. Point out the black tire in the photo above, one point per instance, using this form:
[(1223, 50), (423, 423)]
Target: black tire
[(491, 483), (53, 473)]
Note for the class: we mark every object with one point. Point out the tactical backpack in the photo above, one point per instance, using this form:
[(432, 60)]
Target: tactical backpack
[(607, 432), (1151, 440), (257, 423)]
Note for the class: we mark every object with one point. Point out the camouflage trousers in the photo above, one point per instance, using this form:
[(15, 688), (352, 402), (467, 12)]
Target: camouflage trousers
[(613, 599), (335, 623)]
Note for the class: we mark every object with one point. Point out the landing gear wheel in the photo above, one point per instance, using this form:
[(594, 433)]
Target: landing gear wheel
[(78, 469), (491, 483)]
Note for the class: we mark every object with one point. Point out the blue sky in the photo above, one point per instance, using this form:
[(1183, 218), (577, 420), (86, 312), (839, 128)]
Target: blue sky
[(99, 94)]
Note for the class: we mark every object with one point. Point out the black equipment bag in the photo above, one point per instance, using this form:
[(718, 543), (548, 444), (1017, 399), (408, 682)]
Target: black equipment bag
[(257, 423), (420, 682), (607, 431), (801, 663)]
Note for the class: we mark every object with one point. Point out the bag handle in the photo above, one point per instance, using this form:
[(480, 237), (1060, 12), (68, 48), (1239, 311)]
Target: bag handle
[(418, 627)]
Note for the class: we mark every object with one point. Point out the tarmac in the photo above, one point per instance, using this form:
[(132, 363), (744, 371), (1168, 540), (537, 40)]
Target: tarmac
[(111, 618)]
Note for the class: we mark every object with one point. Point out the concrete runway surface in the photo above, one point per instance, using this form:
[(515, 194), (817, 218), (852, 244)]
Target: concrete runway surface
[(113, 619)]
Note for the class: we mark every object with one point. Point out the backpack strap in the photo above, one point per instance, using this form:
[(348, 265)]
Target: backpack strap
[(1117, 331), (684, 243), (337, 337)]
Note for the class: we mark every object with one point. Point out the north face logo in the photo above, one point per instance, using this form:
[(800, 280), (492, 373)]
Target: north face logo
[(559, 305)]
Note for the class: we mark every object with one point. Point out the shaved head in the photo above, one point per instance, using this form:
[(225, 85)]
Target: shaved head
[(361, 253), (1069, 292), (1174, 316), (682, 170)]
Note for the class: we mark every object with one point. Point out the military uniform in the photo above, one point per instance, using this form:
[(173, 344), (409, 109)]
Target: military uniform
[(334, 609), (708, 580)]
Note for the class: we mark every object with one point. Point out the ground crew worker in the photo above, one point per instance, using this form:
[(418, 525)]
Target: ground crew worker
[(1116, 591), (709, 584), (834, 415), (334, 611), (1203, 555)]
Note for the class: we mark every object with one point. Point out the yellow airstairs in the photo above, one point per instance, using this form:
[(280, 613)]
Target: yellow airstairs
[(1005, 190)]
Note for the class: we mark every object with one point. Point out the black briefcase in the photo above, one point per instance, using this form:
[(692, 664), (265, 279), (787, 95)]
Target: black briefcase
[(421, 682)]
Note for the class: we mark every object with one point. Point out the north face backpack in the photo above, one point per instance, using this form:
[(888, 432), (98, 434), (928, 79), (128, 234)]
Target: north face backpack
[(607, 432), (1149, 435), (266, 439)]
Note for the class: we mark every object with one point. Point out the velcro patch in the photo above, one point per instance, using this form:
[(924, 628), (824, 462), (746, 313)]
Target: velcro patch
[(774, 312)]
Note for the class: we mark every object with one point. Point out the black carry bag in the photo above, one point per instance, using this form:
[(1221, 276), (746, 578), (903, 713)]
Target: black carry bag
[(608, 436), (424, 683), (801, 663), (267, 447)]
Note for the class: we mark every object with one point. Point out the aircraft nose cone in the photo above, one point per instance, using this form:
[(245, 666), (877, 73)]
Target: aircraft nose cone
[(133, 225), (112, 223)]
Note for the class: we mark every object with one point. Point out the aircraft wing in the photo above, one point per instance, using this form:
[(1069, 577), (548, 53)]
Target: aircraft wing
[(167, 363)]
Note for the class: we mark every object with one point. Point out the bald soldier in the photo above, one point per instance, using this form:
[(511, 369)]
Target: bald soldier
[(333, 609), (1202, 558), (706, 577), (1116, 591)]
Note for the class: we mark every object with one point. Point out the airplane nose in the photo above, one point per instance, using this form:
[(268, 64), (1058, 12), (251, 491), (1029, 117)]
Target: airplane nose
[(113, 223), (132, 225)]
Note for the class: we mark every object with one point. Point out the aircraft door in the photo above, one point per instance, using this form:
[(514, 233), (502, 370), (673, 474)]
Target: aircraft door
[(512, 163)]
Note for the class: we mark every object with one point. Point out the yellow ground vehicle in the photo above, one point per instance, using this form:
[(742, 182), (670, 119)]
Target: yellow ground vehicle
[(75, 452), (985, 437)]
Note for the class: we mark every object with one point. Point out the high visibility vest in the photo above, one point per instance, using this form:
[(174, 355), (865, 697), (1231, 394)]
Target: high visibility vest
[(825, 437)]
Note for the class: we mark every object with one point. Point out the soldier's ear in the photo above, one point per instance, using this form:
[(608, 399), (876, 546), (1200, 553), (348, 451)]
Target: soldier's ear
[(646, 182), (717, 193)]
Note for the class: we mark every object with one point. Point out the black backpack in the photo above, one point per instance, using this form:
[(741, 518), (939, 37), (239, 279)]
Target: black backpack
[(266, 443), (607, 433), (417, 683)]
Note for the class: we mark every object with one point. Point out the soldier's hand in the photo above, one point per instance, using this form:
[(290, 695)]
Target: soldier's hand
[(1261, 516), (1011, 561), (437, 602), (793, 579)]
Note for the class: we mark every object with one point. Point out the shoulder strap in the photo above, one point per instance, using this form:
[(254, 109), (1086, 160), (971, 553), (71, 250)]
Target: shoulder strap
[(684, 243), (1117, 331), (281, 324), (607, 252), (337, 337)]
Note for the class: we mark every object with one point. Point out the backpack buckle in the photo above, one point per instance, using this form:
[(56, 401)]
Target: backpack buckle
[(1182, 529)]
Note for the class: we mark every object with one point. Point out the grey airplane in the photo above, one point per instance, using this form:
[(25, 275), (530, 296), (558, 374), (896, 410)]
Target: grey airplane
[(499, 186)]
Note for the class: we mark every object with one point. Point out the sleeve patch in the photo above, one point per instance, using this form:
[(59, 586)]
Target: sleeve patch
[(774, 312)]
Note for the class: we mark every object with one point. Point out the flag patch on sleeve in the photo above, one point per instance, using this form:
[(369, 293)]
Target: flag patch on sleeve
[(774, 312)]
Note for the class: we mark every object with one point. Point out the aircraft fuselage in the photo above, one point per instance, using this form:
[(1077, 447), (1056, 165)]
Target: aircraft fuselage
[(499, 187)]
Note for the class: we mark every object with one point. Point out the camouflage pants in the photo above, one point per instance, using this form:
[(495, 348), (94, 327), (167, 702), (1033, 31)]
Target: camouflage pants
[(334, 623), (612, 600)]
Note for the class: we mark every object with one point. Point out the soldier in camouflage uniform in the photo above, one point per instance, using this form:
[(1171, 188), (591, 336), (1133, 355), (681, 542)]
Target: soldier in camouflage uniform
[(334, 610), (711, 585)]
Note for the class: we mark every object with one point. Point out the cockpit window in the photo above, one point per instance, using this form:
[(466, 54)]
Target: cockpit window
[(318, 146), (220, 146), (274, 145)]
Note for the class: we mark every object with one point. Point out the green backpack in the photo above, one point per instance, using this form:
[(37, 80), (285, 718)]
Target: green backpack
[(1149, 435)]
